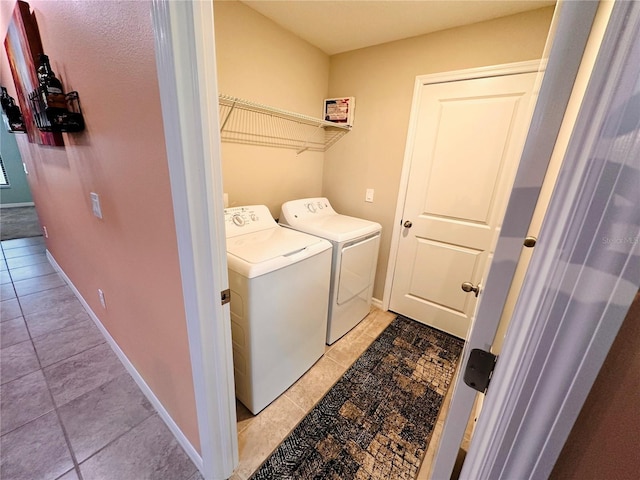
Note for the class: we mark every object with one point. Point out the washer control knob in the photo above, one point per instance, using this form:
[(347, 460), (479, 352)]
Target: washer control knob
[(238, 220), (311, 207), (254, 217)]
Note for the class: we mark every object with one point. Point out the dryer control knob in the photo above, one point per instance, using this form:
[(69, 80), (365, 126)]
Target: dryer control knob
[(311, 207), (238, 220)]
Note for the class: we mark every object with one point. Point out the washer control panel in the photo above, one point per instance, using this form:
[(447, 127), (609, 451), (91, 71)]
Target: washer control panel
[(243, 220)]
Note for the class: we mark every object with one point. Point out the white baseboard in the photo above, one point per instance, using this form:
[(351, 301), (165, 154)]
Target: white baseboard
[(377, 303), (16, 205), (177, 433)]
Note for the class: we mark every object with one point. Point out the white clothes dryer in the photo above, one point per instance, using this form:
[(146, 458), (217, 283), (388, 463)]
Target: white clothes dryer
[(279, 281), (355, 244)]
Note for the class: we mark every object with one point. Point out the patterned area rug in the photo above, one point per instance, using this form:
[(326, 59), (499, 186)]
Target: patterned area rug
[(376, 421), (19, 222)]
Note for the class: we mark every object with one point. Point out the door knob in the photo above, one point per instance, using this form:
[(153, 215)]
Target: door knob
[(408, 224), (470, 287), (530, 242)]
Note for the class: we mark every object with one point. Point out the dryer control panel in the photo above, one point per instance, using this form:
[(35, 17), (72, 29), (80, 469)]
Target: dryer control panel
[(306, 208), (243, 220)]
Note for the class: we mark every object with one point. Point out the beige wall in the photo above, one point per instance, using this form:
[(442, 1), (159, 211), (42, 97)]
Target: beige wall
[(105, 51), (259, 61), (382, 80)]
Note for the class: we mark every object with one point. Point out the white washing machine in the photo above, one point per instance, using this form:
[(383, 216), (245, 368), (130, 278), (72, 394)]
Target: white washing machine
[(279, 281), (355, 244)]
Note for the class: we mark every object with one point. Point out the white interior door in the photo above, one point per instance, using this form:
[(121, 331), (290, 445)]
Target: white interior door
[(569, 33), (464, 148)]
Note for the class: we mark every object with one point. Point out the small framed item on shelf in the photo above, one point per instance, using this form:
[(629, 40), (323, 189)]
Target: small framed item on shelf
[(340, 110)]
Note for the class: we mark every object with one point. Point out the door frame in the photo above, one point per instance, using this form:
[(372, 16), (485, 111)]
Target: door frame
[(572, 25), (515, 68), (192, 47), (575, 295), (186, 64)]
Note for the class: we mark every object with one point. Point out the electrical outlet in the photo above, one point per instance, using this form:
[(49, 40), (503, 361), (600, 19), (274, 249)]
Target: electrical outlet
[(102, 300), (369, 195), (46, 233), (95, 204)]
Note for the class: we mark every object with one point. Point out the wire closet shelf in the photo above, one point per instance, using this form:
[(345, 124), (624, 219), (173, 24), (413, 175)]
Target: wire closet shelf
[(242, 121)]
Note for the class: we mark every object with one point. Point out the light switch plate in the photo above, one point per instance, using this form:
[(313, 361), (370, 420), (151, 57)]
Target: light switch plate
[(101, 297), (95, 204), (369, 195)]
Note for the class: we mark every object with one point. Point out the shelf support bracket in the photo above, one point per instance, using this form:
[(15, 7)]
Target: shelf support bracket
[(305, 145), (226, 119)]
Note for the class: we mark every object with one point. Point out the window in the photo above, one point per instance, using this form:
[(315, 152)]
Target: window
[(3, 174)]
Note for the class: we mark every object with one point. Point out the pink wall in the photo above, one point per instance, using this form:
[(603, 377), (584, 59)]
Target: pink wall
[(105, 51), (604, 440)]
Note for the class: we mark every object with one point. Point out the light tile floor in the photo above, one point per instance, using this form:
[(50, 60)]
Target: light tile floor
[(259, 435), (68, 408)]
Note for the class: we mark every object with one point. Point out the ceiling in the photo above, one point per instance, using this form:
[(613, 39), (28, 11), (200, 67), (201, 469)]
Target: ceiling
[(336, 26)]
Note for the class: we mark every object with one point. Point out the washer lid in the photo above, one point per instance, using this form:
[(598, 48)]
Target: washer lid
[(268, 244), (256, 244), (268, 250)]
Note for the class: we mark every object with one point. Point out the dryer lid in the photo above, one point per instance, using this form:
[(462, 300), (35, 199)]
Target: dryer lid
[(317, 217), (337, 228)]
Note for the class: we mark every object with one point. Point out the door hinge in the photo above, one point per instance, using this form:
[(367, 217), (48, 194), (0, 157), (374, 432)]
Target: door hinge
[(479, 369), (225, 296)]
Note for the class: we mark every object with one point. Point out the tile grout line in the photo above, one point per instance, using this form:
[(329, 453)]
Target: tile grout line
[(76, 466), (304, 411), (364, 333), (56, 407), (112, 441)]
